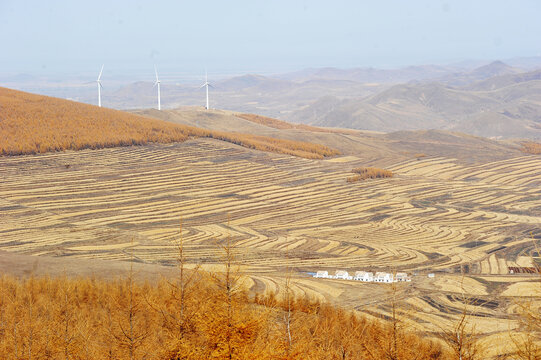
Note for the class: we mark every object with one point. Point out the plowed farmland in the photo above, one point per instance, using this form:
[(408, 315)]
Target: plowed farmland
[(434, 216)]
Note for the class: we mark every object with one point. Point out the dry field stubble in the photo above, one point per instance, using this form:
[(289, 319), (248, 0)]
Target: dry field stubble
[(433, 216)]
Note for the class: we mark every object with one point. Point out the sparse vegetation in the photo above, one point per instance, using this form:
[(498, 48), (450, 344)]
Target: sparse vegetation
[(279, 124), (33, 124), (364, 173), (531, 147)]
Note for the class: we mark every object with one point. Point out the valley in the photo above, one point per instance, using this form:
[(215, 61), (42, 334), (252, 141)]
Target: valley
[(438, 214)]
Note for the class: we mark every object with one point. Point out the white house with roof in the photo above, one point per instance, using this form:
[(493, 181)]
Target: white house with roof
[(363, 276), (343, 275), (322, 274), (401, 276), (383, 277)]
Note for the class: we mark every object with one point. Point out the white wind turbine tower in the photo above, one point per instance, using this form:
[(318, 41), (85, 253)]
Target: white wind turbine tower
[(206, 85), (158, 83), (99, 86)]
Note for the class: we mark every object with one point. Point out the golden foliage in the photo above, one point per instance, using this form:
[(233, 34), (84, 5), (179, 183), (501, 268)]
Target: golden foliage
[(530, 147), (364, 173), (31, 124), (60, 318), (283, 125)]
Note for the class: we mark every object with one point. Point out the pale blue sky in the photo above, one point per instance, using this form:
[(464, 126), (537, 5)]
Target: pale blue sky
[(55, 36)]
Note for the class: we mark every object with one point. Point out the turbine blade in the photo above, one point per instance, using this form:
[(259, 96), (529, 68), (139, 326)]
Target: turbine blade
[(156, 71), (101, 71), (211, 86)]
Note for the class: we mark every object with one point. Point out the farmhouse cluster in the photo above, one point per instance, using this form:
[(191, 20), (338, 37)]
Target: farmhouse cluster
[(365, 276)]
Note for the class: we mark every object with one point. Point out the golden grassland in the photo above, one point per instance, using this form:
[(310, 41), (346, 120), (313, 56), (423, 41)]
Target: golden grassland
[(364, 173), (32, 124), (531, 147)]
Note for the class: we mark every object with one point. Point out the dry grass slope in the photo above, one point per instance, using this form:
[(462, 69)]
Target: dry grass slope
[(34, 124), (283, 125)]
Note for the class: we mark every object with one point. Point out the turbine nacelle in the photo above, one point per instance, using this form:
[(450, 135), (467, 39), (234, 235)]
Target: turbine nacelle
[(206, 85)]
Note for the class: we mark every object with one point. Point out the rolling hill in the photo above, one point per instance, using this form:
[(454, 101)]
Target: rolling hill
[(458, 206), (38, 124), (507, 106)]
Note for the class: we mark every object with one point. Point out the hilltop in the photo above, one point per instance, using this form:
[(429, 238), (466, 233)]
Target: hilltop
[(37, 124)]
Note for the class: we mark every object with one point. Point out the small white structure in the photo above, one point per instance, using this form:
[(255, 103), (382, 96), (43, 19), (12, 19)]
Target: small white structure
[(383, 277), (431, 275), (402, 277), (342, 274), (322, 274), (364, 276)]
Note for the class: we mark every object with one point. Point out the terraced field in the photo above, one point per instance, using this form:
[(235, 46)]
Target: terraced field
[(435, 215)]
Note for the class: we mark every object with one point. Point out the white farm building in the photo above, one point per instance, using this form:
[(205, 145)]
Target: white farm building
[(322, 274), (342, 274), (383, 277), (364, 276), (402, 277)]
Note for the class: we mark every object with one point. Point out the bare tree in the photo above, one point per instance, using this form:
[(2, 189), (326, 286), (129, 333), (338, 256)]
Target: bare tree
[(527, 340), (131, 320), (288, 300), (462, 338)]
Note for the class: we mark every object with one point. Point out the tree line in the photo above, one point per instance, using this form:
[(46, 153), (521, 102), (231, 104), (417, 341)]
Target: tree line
[(197, 314), (33, 124)]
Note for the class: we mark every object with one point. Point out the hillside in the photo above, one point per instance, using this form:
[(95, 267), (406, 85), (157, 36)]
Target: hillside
[(365, 147), (455, 203), (494, 69), (436, 214), (37, 124), (502, 81), (507, 106)]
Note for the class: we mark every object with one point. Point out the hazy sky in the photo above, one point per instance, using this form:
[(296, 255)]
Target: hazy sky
[(54, 36)]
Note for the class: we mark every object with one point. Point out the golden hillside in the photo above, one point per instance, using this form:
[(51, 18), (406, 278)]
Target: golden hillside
[(33, 124)]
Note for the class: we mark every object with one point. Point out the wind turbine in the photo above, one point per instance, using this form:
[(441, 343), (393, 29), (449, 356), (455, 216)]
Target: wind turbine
[(158, 83), (206, 85), (99, 86)]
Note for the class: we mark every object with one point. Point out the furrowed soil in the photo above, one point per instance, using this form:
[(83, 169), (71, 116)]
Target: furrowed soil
[(98, 209)]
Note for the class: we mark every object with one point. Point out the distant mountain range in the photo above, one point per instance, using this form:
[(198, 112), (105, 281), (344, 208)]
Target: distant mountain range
[(498, 99), (507, 104)]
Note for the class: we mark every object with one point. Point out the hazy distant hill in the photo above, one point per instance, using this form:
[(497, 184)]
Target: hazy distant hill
[(487, 99), (505, 80), (372, 75), (496, 68), (507, 105)]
